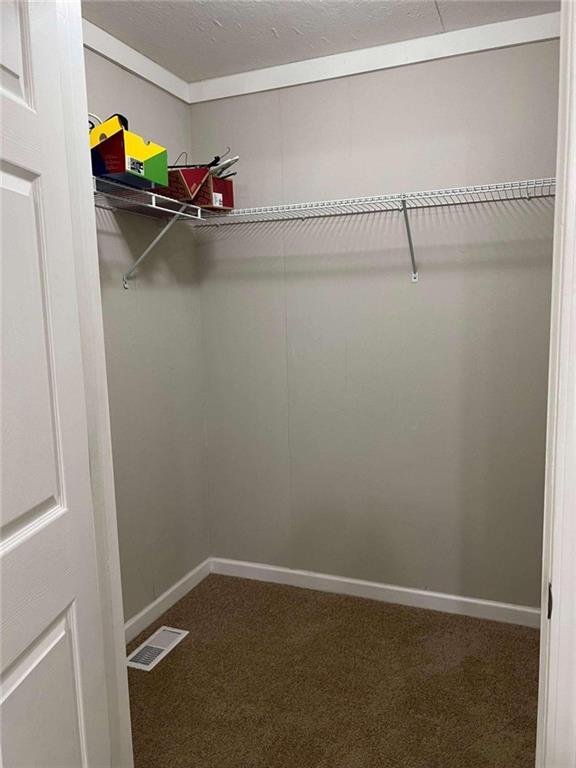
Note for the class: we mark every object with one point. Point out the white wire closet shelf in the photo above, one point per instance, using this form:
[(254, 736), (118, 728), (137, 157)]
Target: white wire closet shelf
[(114, 196), (487, 193)]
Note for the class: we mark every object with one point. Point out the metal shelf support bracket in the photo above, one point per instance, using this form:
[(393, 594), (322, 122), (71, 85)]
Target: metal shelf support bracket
[(111, 195), (410, 243), (127, 275)]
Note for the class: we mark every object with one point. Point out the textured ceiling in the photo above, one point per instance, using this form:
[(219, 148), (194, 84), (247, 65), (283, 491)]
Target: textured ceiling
[(201, 39)]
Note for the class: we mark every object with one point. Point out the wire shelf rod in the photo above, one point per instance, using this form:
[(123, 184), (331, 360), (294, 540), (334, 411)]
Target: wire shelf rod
[(114, 196), (502, 192)]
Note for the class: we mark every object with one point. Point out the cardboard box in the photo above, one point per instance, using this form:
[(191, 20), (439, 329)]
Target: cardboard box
[(222, 194), (184, 183), (215, 194), (195, 185), (121, 155)]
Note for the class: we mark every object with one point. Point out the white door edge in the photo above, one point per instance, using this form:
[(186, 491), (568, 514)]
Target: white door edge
[(556, 743), (71, 52)]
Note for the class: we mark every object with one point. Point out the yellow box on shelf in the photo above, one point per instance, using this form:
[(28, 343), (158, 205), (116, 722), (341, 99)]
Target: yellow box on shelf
[(121, 155)]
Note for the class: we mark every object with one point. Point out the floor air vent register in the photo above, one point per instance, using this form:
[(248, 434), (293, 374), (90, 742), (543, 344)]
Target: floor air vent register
[(153, 650)]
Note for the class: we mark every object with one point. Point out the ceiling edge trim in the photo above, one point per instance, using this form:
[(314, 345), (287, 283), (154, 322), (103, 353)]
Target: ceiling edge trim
[(108, 46), (444, 45)]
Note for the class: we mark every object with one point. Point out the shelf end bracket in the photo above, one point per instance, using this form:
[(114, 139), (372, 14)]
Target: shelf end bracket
[(410, 243), (127, 275)]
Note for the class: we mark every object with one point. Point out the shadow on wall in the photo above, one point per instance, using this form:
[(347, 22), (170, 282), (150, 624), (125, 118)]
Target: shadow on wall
[(502, 417), (153, 356), (377, 243), (357, 423), (189, 255), (415, 414), (123, 237)]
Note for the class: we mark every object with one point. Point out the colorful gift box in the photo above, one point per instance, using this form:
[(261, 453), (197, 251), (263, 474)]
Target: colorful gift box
[(121, 155)]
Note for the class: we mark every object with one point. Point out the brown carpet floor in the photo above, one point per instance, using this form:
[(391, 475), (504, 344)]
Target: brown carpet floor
[(279, 677)]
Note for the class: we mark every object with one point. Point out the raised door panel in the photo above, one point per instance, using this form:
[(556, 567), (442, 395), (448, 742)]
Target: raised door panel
[(40, 697), (14, 78), (30, 484)]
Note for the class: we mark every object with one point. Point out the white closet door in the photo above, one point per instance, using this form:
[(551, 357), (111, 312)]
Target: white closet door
[(557, 711), (53, 693)]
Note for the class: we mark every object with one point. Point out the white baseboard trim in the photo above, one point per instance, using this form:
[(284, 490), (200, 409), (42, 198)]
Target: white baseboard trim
[(340, 585), (416, 598), (138, 623)]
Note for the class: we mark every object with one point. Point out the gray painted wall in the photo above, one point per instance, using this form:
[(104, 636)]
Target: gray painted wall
[(357, 424), (152, 334)]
